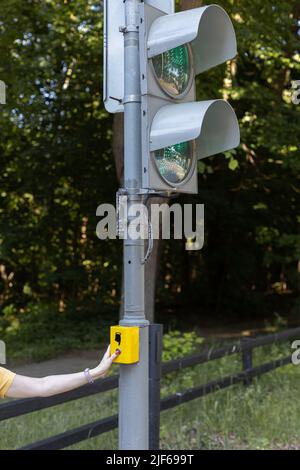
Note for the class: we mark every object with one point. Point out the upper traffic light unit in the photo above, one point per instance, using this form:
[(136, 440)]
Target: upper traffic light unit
[(176, 129)]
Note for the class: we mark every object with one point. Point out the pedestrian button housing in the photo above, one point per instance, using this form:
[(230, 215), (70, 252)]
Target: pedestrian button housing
[(125, 338)]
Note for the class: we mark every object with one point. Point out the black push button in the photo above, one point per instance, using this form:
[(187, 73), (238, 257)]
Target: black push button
[(118, 338)]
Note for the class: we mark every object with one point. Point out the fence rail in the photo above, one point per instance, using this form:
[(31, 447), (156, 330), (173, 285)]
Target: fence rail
[(21, 407)]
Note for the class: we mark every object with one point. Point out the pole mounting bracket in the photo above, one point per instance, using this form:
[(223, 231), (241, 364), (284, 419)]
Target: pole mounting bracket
[(129, 29), (132, 99)]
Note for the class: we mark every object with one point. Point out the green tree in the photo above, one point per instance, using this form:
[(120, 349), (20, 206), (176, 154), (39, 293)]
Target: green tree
[(56, 166)]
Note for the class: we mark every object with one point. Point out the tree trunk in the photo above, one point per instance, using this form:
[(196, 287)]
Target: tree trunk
[(188, 4), (118, 145)]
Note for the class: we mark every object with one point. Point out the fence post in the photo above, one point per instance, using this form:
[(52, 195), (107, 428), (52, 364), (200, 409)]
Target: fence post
[(247, 362), (155, 353)]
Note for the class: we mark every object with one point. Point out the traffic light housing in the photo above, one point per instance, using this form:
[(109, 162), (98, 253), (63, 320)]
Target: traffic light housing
[(177, 130)]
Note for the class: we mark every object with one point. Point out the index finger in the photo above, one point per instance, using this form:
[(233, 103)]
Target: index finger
[(107, 353)]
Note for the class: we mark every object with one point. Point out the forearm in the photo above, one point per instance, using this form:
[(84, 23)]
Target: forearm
[(55, 384), (24, 387)]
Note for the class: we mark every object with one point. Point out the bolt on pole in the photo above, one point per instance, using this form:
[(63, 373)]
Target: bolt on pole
[(133, 382)]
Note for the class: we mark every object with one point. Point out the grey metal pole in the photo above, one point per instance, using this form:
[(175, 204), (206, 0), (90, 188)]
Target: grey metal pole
[(133, 382)]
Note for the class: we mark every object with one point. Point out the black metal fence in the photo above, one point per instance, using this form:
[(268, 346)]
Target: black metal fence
[(245, 347)]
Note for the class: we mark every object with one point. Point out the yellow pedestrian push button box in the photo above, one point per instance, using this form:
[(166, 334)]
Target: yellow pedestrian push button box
[(125, 338)]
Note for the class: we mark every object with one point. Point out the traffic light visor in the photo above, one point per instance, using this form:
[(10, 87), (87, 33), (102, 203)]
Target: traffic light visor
[(212, 124), (209, 31)]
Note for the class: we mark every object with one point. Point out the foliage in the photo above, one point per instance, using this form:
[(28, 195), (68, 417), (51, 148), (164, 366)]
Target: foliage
[(250, 261), (55, 157), (177, 344), (39, 331), (56, 167)]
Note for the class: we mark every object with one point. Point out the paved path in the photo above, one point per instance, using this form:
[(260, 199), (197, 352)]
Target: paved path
[(74, 361)]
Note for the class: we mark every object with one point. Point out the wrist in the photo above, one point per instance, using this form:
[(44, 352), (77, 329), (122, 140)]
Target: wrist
[(95, 373)]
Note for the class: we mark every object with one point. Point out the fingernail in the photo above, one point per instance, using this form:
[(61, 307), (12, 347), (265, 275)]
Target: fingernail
[(118, 351)]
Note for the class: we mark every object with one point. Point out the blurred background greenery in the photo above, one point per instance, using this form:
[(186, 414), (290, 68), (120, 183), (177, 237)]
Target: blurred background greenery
[(57, 280)]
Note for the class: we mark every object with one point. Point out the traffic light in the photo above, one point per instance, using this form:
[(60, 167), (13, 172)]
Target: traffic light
[(176, 129)]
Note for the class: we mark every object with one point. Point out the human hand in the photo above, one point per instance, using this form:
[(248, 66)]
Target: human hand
[(105, 364)]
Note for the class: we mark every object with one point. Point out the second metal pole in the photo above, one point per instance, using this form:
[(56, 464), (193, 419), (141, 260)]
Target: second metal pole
[(155, 353)]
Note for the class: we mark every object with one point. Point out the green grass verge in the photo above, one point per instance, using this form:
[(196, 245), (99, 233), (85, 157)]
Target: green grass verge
[(264, 415)]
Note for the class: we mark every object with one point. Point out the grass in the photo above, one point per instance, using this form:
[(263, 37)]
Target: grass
[(264, 415)]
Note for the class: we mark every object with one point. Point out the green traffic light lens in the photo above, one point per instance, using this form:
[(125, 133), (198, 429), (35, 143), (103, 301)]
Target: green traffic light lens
[(173, 70), (174, 163)]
